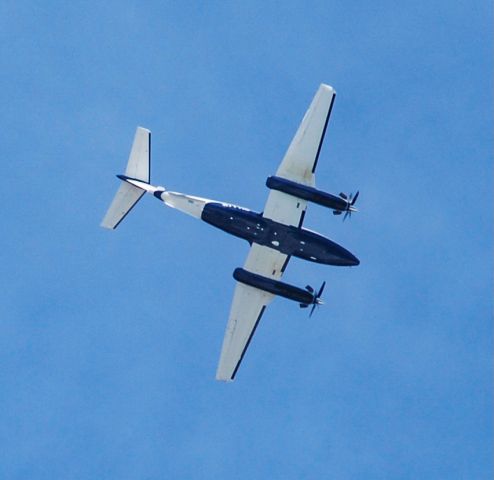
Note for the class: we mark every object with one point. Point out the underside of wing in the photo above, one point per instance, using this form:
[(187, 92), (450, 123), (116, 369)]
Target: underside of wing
[(298, 165), (246, 311), (247, 308), (300, 160)]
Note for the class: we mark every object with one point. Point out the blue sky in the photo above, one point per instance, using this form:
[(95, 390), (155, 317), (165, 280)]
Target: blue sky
[(109, 340)]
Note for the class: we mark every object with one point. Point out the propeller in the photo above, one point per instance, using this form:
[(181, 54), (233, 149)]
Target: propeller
[(350, 202), (317, 299)]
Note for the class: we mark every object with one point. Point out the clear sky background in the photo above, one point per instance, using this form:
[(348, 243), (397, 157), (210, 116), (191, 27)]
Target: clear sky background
[(109, 341)]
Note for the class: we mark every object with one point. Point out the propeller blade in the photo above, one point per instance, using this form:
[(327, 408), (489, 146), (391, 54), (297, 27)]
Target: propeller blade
[(309, 289), (315, 303), (347, 214), (355, 198), (321, 290)]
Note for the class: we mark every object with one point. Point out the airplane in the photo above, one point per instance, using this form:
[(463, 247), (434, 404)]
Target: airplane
[(275, 235)]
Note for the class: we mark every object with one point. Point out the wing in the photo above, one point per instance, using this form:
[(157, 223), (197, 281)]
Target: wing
[(298, 165), (300, 160), (247, 308)]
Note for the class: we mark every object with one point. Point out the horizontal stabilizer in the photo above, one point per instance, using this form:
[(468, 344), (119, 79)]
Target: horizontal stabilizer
[(138, 168), (127, 196)]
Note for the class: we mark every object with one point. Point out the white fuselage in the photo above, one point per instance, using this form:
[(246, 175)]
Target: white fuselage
[(254, 227), (189, 204)]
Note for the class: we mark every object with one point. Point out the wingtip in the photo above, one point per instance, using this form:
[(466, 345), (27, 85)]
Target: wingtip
[(327, 87), (224, 376), (106, 227), (144, 129)]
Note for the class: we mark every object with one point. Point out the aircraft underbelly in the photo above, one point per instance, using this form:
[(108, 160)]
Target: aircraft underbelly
[(289, 240)]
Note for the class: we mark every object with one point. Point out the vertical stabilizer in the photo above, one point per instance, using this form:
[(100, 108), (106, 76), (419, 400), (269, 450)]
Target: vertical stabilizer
[(139, 163)]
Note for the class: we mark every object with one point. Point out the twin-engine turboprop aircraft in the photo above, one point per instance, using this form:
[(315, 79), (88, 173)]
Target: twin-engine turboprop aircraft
[(275, 235)]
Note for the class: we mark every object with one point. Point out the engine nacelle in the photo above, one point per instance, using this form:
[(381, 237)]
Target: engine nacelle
[(310, 194), (304, 297)]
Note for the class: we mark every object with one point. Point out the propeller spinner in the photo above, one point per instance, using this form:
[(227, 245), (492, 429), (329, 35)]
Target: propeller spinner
[(316, 298), (350, 202)]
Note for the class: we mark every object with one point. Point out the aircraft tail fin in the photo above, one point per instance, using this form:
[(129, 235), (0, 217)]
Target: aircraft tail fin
[(138, 168)]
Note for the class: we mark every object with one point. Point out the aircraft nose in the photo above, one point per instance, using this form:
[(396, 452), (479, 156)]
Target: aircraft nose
[(353, 260), (338, 256), (347, 258)]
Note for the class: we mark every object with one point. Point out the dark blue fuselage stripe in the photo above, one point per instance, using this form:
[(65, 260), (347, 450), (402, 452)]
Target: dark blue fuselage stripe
[(287, 239)]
